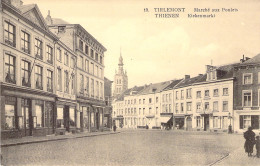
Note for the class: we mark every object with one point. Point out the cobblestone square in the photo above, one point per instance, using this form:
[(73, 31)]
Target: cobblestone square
[(134, 147)]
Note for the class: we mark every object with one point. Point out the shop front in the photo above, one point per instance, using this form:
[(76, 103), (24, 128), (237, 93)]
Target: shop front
[(26, 112), (179, 121)]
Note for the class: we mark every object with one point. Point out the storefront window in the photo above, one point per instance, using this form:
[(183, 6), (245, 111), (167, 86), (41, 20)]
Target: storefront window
[(72, 117), (215, 122), (92, 119), (60, 121), (38, 118), (9, 117), (225, 122), (85, 116)]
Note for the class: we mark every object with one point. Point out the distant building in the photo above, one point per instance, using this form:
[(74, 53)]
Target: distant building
[(108, 102), (120, 79)]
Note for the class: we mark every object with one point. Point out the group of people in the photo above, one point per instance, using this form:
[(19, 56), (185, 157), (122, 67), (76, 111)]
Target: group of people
[(251, 140)]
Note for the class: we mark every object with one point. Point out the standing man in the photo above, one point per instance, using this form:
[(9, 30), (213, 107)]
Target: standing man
[(249, 135)]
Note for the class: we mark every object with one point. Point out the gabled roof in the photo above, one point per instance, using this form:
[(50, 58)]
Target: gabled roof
[(190, 81), (254, 60), (173, 84), (135, 89), (154, 88), (33, 13)]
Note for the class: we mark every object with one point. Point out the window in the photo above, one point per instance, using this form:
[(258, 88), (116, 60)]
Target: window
[(198, 121), (87, 86), (150, 111), (96, 71), (177, 95), (96, 56), (73, 62), (92, 87), (81, 84), (86, 49), (166, 97), (38, 77), (9, 34), (49, 55), (59, 54), (49, 81), (26, 73), (182, 108), (166, 108), (59, 85), (97, 89), (249, 120), (39, 116), (25, 42), (72, 84), (72, 114), (81, 45), (38, 48), (101, 59), (66, 59), (206, 93), (215, 92), (101, 90), (188, 93), (10, 68), (215, 106), (189, 106), (225, 105), (143, 111), (225, 91), (87, 66), (143, 101), (170, 108), (61, 29), (215, 122), (163, 98), (225, 122), (92, 53), (140, 101), (150, 100), (198, 94), (182, 94), (198, 107), (80, 62), (157, 99), (170, 96), (247, 98), (177, 107), (91, 70), (206, 106), (66, 82), (10, 103), (247, 78), (100, 74)]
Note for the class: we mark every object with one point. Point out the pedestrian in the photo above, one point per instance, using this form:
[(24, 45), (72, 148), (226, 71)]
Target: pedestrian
[(114, 128), (257, 146), (249, 135)]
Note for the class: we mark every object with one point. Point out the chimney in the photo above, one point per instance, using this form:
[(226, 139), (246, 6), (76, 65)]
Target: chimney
[(48, 19), (243, 59), (187, 77)]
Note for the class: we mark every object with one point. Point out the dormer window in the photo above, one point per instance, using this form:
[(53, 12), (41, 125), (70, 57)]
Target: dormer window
[(61, 29)]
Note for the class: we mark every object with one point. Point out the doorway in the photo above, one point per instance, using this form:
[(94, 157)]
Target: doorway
[(97, 120), (206, 122), (188, 123), (27, 117)]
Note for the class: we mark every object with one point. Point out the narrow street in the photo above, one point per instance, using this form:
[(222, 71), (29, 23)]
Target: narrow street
[(137, 147)]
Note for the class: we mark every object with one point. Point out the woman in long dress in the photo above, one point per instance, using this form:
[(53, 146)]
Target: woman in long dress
[(249, 135)]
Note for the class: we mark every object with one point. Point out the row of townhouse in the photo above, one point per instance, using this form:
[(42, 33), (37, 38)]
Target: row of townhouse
[(49, 84), (224, 96)]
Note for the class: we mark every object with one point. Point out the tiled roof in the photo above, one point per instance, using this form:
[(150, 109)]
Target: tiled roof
[(26, 8), (173, 84), (154, 88), (228, 71), (128, 91), (190, 81), (56, 21), (255, 59)]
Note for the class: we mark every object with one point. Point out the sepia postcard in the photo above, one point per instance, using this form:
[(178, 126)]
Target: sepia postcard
[(130, 82)]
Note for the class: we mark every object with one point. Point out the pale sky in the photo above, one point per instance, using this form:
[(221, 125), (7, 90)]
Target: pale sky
[(161, 49)]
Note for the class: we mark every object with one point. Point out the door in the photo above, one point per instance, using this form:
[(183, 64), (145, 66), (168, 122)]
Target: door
[(206, 122), (66, 117), (27, 120), (189, 123), (97, 120)]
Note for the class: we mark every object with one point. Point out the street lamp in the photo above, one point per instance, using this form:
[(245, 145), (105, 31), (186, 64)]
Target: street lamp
[(230, 126)]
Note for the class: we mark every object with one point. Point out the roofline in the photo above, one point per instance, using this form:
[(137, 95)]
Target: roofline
[(17, 11)]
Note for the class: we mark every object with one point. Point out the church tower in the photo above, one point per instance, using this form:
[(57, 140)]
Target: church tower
[(120, 79)]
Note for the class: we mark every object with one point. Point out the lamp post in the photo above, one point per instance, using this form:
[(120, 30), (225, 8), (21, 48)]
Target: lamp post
[(230, 126)]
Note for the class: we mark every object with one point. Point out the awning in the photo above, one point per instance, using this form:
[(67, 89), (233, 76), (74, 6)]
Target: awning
[(165, 119)]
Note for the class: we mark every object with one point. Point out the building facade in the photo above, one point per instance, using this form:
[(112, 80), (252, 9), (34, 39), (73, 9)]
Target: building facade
[(108, 102), (247, 92)]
